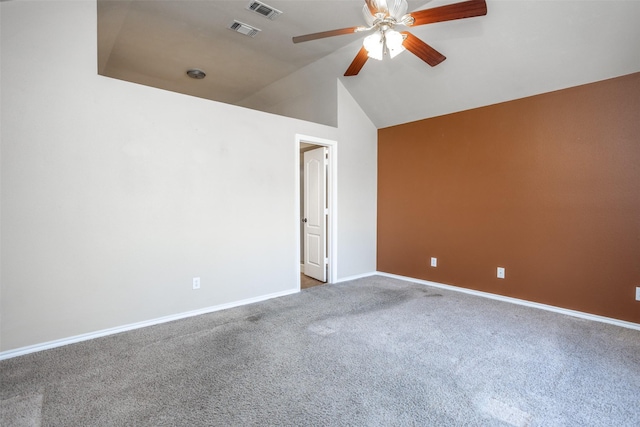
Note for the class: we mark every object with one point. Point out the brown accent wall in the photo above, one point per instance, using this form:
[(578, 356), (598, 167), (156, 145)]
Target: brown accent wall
[(547, 187)]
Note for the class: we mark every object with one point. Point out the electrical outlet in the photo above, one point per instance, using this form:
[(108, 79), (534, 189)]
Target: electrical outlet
[(434, 262), (638, 293), (196, 283), (500, 272)]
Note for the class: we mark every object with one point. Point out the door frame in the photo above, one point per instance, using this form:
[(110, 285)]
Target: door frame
[(332, 203)]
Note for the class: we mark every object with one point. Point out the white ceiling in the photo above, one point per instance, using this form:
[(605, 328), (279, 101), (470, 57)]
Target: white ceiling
[(521, 48)]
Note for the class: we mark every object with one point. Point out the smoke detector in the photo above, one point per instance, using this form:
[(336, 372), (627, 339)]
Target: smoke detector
[(194, 73)]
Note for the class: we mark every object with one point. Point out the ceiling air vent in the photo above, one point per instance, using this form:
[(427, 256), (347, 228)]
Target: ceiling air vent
[(245, 29), (264, 10)]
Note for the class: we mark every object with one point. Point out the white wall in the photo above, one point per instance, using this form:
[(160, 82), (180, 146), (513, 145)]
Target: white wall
[(357, 195), (357, 151), (115, 195)]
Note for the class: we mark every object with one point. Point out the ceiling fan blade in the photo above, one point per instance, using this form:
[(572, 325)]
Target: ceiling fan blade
[(422, 50), (324, 34), (358, 63), (465, 9)]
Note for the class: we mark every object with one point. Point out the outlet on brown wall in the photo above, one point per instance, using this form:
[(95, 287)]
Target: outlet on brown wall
[(546, 186)]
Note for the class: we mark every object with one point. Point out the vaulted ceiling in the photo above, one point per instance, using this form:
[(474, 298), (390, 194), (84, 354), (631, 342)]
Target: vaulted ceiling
[(520, 48)]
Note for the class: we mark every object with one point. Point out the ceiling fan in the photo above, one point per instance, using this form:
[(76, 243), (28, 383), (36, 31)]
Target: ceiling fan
[(382, 16)]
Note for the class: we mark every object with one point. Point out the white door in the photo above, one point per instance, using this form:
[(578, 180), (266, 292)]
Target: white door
[(315, 213)]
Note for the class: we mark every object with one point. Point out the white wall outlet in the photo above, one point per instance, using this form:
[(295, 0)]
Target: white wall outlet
[(638, 293), (434, 262), (500, 273), (196, 283)]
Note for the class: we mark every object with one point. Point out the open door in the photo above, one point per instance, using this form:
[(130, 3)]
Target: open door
[(315, 213)]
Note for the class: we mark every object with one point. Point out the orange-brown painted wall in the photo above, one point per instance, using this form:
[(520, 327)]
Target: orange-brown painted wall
[(547, 187)]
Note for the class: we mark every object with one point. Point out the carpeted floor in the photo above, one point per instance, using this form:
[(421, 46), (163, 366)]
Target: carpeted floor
[(371, 352)]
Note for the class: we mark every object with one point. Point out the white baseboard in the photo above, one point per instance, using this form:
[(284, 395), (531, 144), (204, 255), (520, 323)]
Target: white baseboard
[(104, 332), (88, 336), (560, 310), (357, 276)]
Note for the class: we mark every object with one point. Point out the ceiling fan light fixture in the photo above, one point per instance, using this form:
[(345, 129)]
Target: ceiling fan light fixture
[(394, 43), (384, 9), (383, 16), (397, 8), (374, 45), (381, 43)]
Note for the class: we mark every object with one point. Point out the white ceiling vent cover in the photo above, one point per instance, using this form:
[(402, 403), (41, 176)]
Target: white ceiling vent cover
[(243, 28), (264, 10)]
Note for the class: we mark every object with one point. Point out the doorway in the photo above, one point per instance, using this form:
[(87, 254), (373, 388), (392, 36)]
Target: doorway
[(316, 196)]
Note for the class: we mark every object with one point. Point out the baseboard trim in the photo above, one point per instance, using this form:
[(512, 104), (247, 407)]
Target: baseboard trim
[(568, 312), (357, 276), (118, 329)]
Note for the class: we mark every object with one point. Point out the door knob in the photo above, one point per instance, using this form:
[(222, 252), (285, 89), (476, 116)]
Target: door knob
[(304, 219)]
